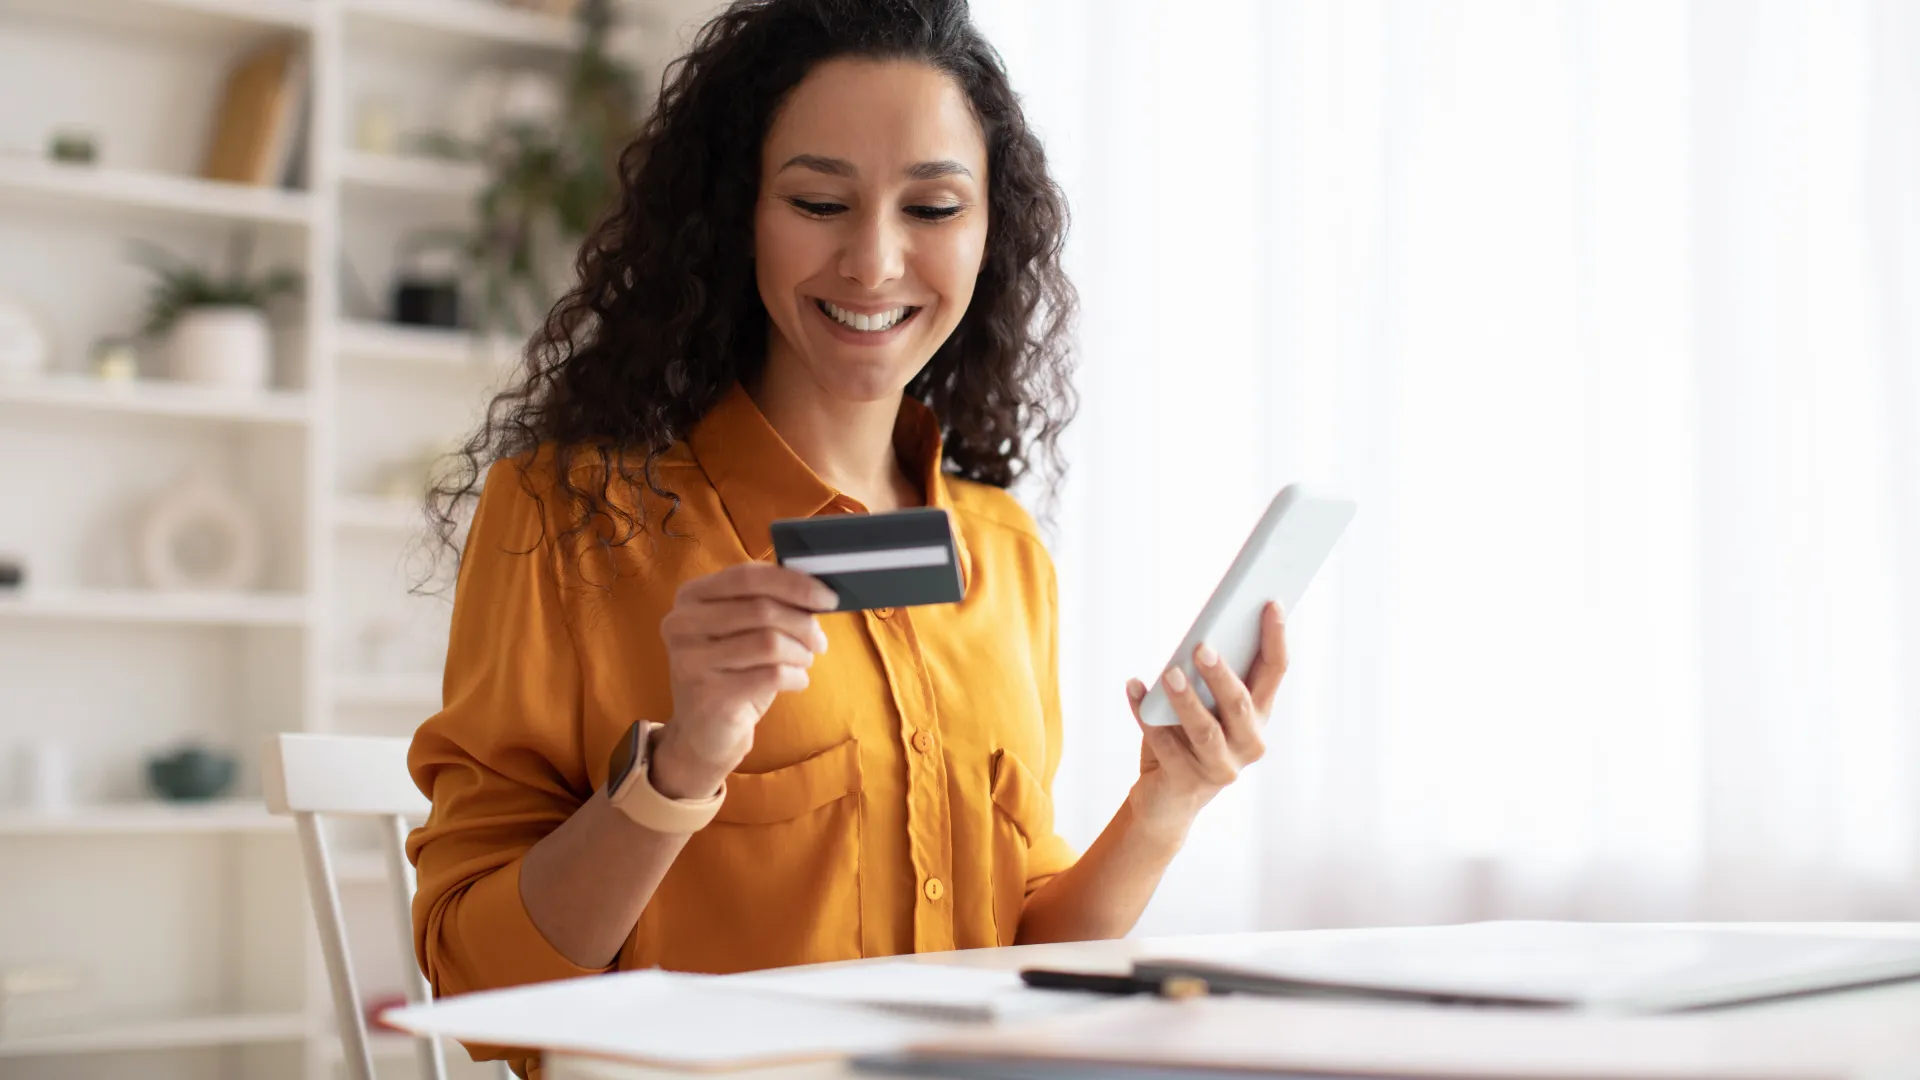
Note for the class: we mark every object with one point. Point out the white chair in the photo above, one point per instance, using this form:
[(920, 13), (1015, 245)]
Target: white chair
[(310, 776)]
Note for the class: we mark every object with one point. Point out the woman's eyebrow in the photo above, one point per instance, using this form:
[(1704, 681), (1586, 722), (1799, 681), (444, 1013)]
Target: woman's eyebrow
[(925, 170)]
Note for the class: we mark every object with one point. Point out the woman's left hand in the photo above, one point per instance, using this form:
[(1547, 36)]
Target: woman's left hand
[(1182, 768)]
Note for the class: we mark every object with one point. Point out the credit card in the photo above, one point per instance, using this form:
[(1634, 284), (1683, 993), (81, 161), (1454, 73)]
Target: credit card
[(896, 559)]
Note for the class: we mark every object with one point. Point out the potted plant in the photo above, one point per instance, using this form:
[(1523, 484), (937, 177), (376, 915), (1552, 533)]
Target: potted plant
[(213, 330), (548, 177)]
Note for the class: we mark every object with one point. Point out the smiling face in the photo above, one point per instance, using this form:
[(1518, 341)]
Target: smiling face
[(871, 223)]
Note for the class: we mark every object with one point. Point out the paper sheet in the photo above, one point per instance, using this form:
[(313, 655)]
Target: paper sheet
[(940, 991), (683, 1021)]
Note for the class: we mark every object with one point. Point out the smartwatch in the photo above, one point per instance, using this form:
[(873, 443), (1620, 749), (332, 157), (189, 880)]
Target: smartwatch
[(630, 789)]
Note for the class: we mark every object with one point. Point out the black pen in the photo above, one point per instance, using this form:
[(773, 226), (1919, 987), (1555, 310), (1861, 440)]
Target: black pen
[(1177, 986)]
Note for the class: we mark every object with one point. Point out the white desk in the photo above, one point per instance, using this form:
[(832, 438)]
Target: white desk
[(1899, 1004)]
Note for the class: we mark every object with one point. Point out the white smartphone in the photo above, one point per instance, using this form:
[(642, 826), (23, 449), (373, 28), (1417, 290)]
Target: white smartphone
[(1278, 561)]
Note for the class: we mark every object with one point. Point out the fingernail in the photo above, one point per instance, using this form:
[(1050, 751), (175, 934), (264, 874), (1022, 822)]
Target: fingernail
[(1279, 614), (1135, 691), (819, 639), (1176, 680), (1206, 655), (826, 599)]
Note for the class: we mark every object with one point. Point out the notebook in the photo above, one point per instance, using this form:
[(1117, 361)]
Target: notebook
[(1610, 967)]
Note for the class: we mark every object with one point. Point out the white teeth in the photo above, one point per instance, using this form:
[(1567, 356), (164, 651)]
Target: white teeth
[(884, 320)]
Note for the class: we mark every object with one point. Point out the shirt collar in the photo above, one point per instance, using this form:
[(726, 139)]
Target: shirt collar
[(761, 480)]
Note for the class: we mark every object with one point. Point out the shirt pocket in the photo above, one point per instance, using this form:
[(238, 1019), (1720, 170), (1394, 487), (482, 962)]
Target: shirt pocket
[(1021, 811), (775, 878)]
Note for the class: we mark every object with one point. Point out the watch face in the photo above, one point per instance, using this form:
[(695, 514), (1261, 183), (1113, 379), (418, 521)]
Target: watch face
[(625, 752)]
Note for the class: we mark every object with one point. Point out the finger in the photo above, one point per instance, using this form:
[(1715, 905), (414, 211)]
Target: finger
[(1169, 749), (1167, 746), (1232, 704), (1204, 734), (724, 618), (787, 677), (800, 590), (765, 682), (750, 649), (1263, 682)]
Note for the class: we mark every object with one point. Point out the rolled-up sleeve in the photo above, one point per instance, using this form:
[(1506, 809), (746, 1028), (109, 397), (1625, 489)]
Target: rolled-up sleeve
[(1050, 853), (503, 761)]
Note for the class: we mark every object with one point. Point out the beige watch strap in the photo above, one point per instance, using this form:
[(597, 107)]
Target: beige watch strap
[(638, 799)]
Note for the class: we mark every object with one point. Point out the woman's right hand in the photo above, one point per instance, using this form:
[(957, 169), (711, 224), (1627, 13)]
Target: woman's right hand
[(734, 640)]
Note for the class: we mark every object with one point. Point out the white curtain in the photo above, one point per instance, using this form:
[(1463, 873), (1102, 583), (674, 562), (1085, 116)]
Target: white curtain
[(1608, 312)]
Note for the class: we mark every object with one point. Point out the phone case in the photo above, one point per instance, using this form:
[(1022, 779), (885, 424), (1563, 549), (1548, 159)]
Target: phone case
[(1293, 538)]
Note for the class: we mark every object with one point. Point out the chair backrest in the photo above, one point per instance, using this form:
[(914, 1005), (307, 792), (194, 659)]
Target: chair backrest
[(310, 776)]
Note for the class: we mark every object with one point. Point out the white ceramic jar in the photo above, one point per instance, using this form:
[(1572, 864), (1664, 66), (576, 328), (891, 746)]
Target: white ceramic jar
[(230, 347)]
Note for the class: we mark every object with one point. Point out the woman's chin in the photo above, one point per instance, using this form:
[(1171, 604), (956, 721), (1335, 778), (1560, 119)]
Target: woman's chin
[(864, 376)]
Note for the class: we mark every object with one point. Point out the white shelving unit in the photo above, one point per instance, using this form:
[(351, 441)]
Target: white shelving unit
[(441, 24), (421, 177), (363, 341), (146, 819), (224, 978), (153, 397), (151, 607), (109, 189), (190, 16), (375, 513), (237, 1029), (406, 691)]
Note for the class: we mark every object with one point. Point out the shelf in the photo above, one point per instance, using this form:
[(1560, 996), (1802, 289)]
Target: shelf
[(149, 1035), (156, 397), (147, 818), (392, 343), (189, 17), (373, 513), (33, 180), (442, 23), (424, 177), (389, 691), (156, 607)]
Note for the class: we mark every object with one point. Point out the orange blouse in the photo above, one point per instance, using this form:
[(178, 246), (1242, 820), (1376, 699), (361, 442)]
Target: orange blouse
[(901, 803)]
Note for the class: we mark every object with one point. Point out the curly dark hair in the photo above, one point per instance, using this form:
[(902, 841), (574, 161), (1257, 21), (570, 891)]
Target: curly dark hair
[(666, 314)]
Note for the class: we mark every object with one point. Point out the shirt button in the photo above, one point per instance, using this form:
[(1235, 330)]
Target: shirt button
[(935, 890), (922, 741), (884, 612)]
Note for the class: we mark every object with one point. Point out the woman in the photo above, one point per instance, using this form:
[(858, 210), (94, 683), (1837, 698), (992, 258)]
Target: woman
[(832, 285)]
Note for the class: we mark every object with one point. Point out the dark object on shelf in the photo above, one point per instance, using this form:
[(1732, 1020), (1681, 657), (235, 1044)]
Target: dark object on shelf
[(427, 303), (547, 183), (13, 573), (72, 148), (191, 773)]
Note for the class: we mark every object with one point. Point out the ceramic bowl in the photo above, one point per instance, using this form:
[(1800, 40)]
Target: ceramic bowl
[(191, 774)]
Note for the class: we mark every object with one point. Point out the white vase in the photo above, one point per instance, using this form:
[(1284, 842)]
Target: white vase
[(227, 346), (24, 348), (199, 536)]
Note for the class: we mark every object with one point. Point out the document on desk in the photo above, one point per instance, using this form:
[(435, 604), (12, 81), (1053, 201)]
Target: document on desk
[(1606, 967), (1238, 1036), (928, 990), (665, 1019)]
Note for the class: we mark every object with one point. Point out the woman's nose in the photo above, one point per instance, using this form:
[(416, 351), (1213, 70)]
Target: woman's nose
[(875, 253)]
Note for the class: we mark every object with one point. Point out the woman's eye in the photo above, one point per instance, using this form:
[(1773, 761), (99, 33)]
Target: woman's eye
[(829, 209), (817, 209)]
